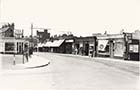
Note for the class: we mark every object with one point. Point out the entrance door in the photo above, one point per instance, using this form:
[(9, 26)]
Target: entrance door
[(86, 49)]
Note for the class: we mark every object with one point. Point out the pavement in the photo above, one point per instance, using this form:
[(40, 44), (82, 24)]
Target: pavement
[(34, 61)]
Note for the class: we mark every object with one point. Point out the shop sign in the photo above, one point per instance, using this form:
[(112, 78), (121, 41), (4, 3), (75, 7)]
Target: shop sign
[(102, 44), (69, 40), (134, 48)]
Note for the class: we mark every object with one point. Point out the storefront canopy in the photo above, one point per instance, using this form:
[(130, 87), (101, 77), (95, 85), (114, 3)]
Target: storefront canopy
[(48, 44), (55, 43), (40, 45)]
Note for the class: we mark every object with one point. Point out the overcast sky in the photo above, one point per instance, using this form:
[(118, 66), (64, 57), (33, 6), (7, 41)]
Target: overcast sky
[(81, 17)]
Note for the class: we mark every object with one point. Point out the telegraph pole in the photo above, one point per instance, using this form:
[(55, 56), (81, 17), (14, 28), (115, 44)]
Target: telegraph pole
[(31, 34), (31, 48), (31, 29)]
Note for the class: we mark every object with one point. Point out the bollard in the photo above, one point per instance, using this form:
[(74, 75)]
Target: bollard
[(14, 60), (23, 59), (27, 55)]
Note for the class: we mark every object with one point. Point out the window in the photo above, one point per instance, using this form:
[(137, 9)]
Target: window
[(9, 46)]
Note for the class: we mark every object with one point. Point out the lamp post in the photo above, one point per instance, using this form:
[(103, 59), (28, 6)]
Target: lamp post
[(31, 45)]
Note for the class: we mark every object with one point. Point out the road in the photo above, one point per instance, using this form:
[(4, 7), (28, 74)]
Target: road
[(67, 72)]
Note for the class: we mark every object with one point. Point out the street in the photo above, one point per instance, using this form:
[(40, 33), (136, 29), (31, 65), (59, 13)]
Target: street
[(67, 72)]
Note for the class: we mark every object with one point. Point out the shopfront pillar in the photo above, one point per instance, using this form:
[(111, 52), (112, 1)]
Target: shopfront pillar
[(15, 49), (111, 49)]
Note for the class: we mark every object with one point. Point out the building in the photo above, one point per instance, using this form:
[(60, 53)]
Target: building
[(43, 36), (134, 46), (9, 42), (111, 45), (7, 30), (85, 45), (56, 46), (12, 45), (69, 45), (118, 46)]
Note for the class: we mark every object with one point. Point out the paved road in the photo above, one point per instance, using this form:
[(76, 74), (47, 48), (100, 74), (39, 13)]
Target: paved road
[(67, 72)]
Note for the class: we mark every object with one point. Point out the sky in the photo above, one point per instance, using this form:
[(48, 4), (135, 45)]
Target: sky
[(81, 17)]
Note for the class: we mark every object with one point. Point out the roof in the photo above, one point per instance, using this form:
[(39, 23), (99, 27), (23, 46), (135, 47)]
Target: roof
[(3, 29), (111, 36)]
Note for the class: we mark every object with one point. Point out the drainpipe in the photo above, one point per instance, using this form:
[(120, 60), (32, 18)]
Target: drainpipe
[(95, 46), (139, 50), (126, 47), (111, 49)]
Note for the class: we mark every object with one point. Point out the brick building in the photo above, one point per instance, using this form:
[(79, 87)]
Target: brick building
[(43, 36)]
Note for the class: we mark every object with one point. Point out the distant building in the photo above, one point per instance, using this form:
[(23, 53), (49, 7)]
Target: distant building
[(18, 33), (43, 36)]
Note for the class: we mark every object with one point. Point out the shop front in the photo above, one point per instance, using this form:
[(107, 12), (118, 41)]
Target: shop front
[(134, 46), (113, 46), (12, 45), (69, 46), (86, 45)]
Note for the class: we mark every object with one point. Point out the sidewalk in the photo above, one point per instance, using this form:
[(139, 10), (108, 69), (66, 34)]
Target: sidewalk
[(34, 61)]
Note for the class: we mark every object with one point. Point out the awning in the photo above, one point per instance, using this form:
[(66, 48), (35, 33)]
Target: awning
[(102, 44), (48, 44), (40, 45), (55, 43)]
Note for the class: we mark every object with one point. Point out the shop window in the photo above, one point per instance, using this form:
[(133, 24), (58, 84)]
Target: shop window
[(106, 50), (9, 46)]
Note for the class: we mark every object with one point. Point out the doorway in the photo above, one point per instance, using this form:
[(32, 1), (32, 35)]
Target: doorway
[(86, 49)]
